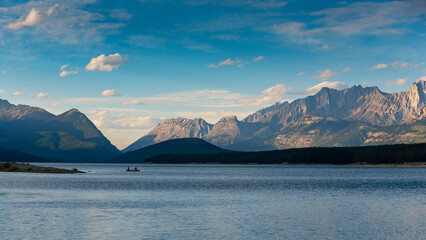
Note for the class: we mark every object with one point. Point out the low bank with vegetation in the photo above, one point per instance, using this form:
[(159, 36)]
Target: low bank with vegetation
[(26, 167)]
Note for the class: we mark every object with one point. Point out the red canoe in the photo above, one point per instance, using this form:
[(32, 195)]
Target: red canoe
[(129, 170)]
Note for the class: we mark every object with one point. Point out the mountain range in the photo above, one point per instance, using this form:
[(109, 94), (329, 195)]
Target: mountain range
[(354, 116), (69, 136)]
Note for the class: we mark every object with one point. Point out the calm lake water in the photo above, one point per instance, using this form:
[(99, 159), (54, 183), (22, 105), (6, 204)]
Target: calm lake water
[(215, 202)]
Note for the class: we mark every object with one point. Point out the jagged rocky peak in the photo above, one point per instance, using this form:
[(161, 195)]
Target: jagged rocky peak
[(417, 93), (229, 119), (265, 113)]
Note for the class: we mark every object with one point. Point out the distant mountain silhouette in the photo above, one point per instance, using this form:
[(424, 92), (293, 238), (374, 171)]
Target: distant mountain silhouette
[(70, 136), (175, 146), (354, 116)]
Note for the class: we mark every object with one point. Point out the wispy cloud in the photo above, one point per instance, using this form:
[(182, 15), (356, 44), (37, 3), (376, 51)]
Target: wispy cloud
[(346, 69), (199, 98), (227, 62), (18, 94), (396, 64), (41, 95), (65, 73), (261, 4), (324, 48), (258, 59), (104, 63), (300, 74), (122, 120), (109, 93), (379, 66), (397, 82), (120, 14), (325, 75), (273, 94), (146, 41), (67, 23), (33, 18), (318, 87), (359, 18)]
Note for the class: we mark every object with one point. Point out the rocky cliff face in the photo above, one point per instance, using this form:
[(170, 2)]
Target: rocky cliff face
[(349, 117)]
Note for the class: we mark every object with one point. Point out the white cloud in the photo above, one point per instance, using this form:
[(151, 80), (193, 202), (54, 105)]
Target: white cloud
[(422, 78), (105, 63), (400, 64), (325, 75), (258, 59), (18, 94), (109, 93), (358, 18), (346, 69), (198, 98), (318, 87), (397, 82), (3, 72), (378, 66), (2, 91), (228, 62), (54, 104), (64, 66), (33, 18), (324, 48), (121, 120), (41, 95), (273, 94), (67, 73), (133, 103), (300, 74)]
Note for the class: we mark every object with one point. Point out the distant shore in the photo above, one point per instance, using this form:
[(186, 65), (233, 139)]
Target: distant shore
[(26, 167), (420, 164)]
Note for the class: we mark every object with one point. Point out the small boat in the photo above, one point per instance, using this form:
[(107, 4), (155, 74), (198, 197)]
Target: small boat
[(132, 170)]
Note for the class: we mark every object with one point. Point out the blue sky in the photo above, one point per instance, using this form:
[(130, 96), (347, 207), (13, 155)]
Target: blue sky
[(130, 64)]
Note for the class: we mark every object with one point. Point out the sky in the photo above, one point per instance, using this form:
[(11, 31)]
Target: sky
[(129, 64)]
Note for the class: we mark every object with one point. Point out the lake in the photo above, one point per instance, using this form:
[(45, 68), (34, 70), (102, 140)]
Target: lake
[(214, 202)]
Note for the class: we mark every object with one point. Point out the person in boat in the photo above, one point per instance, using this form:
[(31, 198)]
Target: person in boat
[(136, 168), (128, 168)]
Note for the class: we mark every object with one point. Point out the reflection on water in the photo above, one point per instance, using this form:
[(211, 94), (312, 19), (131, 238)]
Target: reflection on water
[(214, 202)]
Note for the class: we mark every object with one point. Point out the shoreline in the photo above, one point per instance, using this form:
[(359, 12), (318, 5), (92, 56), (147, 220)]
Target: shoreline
[(388, 165), (29, 168)]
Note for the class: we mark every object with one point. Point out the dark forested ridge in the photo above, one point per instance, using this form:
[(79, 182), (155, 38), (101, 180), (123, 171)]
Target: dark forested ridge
[(10, 155), (385, 154), (174, 146)]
